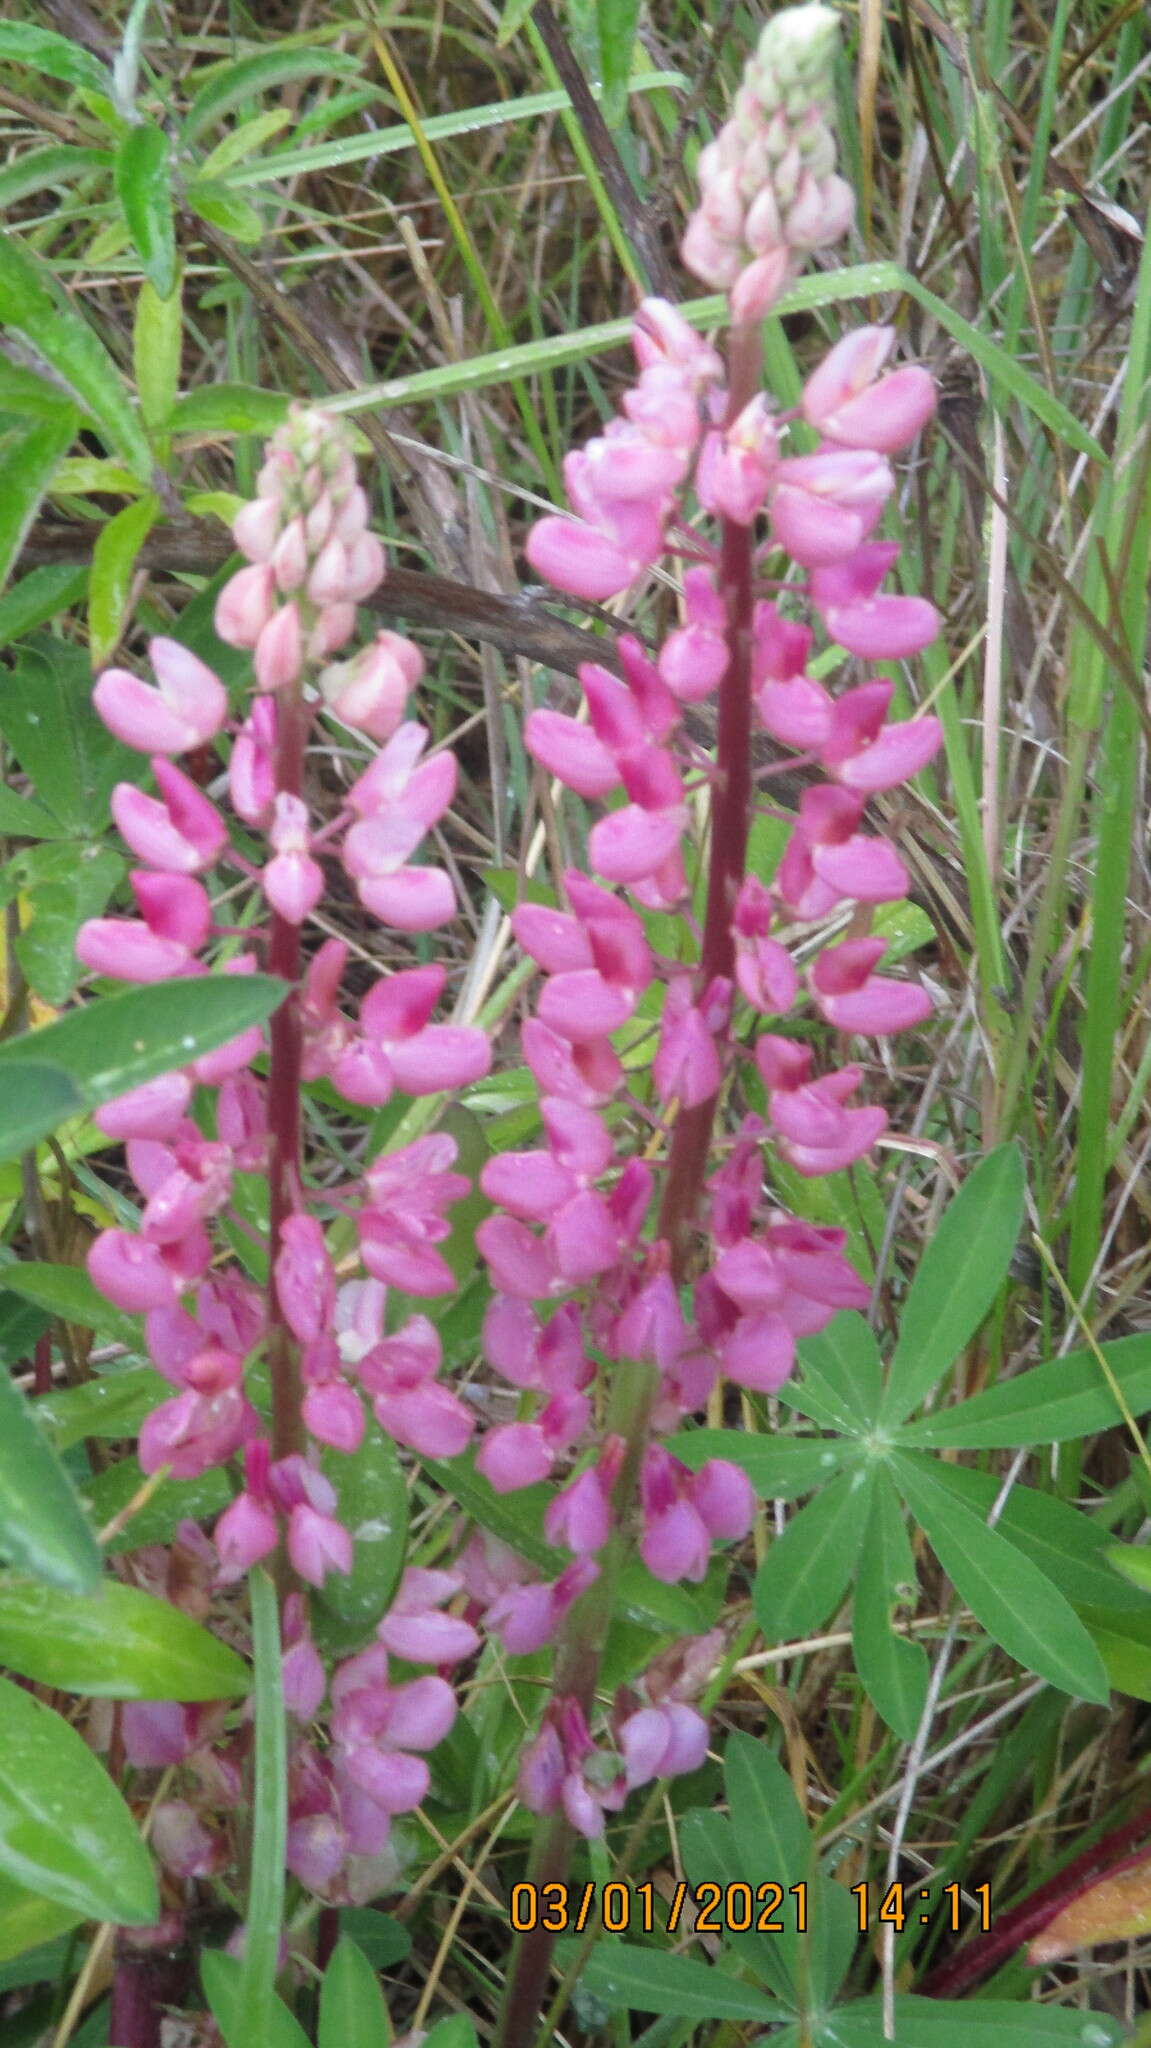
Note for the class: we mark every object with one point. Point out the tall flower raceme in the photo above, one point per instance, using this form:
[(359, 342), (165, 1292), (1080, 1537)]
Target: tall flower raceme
[(332, 1348), (664, 1254)]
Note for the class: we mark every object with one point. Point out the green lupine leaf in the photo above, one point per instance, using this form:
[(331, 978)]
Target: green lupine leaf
[(968, 2023), (617, 22), (374, 1507), (28, 1921), (843, 1361), (894, 1672), (238, 80), (144, 188), (28, 462), (34, 305), (37, 1098), (113, 1643), (41, 49), (1067, 1397), (650, 1980), (957, 1279), (114, 559), (1019, 1606), (65, 749), (120, 1041), (352, 2009), (806, 1571), (43, 1528), (65, 1832), (779, 1467)]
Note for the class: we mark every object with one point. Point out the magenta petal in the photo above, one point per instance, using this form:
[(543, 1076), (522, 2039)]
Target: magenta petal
[(412, 900), (760, 1353), (443, 1056), (429, 1419), (584, 1006), (572, 752), (631, 843), (578, 559)]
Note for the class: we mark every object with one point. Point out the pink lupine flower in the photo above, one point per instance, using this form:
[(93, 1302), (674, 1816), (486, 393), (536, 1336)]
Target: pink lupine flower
[(408, 1194), (183, 834), (878, 628), (246, 605), (525, 1618), (244, 1533), (675, 1543), (724, 1499), (815, 1132), (317, 1544), (184, 1845), (371, 691), (764, 968), (398, 1373), (864, 753), (154, 1110), (842, 399), (195, 1431), (185, 711), (292, 881), (398, 1047), (156, 1733), (251, 767), (414, 1627), (397, 801), (737, 464), (334, 1414), (852, 998), (589, 1073), (687, 1066), (305, 1278), (177, 918), (580, 1516), (561, 1766), (662, 1742), (827, 860), (130, 1272), (694, 659), (572, 752), (823, 506), (242, 1120)]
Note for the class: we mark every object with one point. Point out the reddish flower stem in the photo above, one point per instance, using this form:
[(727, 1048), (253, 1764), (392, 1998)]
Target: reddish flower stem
[(284, 1103), (730, 816)]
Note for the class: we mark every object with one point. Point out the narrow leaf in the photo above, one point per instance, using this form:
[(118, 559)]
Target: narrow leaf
[(28, 462), (67, 1292), (1067, 1397), (842, 1362), (34, 305), (27, 1920), (220, 1976), (144, 188), (34, 1101), (39, 596), (374, 1508), (64, 1829), (648, 1981), (157, 337), (779, 1467), (237, 81), (52, 55), (1021, 1609), (806, 1571), (1065, 1543), (114, 558), (894, 1671), (114, 1643), (616, 21), (43, 1528), (957, 1279), (40, 170), (256, 1999)]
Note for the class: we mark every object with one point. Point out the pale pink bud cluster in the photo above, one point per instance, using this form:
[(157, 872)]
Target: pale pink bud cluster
[(312, 557), (769, 192)]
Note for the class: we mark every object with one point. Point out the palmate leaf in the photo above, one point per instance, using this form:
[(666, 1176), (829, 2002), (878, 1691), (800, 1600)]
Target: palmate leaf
[(806, 1571), (894, 1672), (1019, 1606), (650, 1980)]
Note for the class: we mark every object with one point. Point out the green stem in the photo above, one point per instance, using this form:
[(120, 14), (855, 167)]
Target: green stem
[(255, 2011)]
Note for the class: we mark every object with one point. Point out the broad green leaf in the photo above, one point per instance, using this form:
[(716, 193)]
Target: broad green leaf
[(41, 170), (144, 188), (220, 1976), (352, 2009), (27, 396), (806, 1571), (1067, 1397), (222, 208), (27, 465), (63, 886), (617, 21), (968, 2023), (122, 1040), (157, 337), (34, 305), (772, 1838), (650, 1980), (1019, 1606), (47, 717), (39, 596), (779, 1467), (905, 926), (111, 1405), (52, 55), (894, 1671), (1064, 1542), (229, 409), (27, 1921), (43, 1528), (65, 1832), (114, 1643), (380, 1938), (844, 1358), (113, 567), (957, 1279), (710, 1856), (374, 1507), (234, 82), (107, 1493), (34, 1101), (67, 1292), (21, 818)]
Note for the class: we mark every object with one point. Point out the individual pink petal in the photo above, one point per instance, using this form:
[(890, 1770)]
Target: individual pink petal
[(631, 843), (130, 1272), (514, 1455), (154, 1110), (576, 558), (572, 752), (413, 900)]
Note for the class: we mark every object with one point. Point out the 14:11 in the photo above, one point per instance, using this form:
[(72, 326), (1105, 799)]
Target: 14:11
[(893, 1909)]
